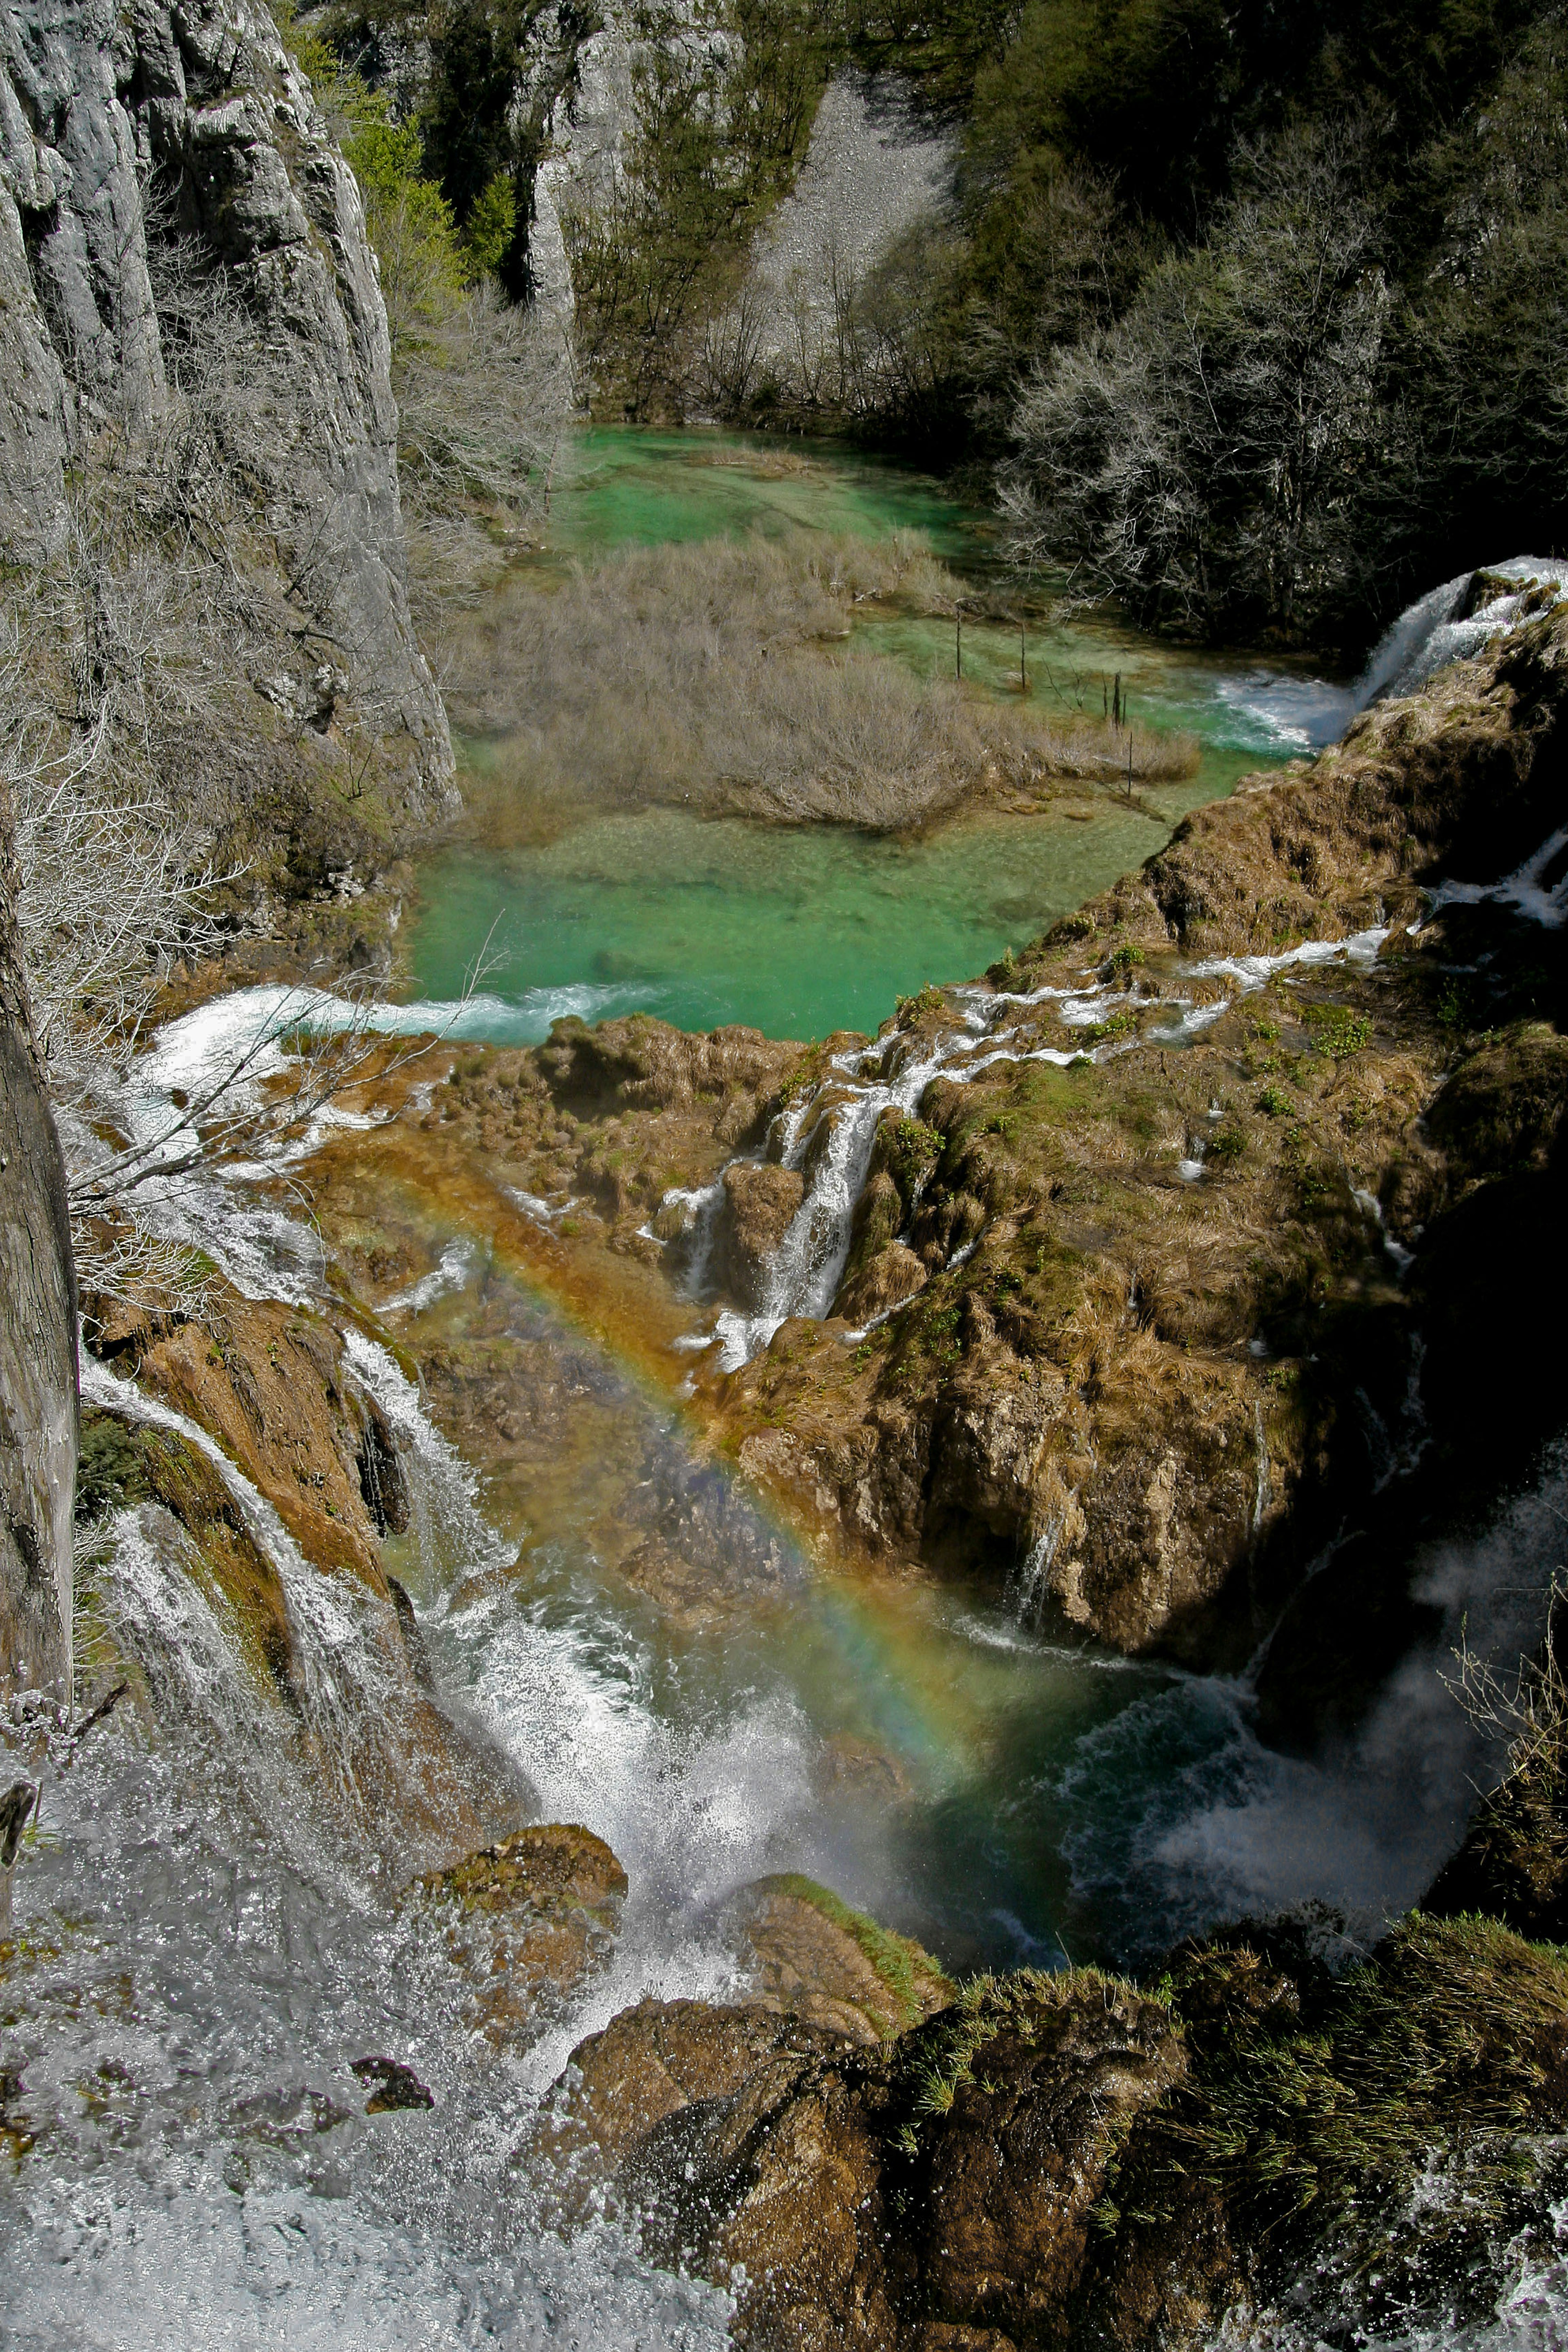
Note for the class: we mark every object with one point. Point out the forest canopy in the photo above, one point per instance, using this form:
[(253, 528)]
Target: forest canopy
[(1255, 319)]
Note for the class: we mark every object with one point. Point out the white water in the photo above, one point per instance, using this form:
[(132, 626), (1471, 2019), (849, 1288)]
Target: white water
[(1524, 891), (1428, 634), (806, 1268)]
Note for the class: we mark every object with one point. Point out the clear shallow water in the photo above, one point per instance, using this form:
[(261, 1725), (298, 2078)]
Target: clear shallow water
[(797, 930)]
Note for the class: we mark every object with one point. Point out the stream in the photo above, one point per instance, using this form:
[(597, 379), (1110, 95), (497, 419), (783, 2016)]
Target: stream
[(207, 1938)]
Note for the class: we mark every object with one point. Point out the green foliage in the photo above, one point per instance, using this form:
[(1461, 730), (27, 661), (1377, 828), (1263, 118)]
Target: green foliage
[(910, 1150), (1337, 1032), (491, 226), (719, 130), (423, 270), (1275, 1102), (1446, 2040), (1228, 1144)]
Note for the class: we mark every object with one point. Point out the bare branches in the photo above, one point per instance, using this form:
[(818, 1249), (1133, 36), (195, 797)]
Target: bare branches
[(1200, 458), (1527, 1711)]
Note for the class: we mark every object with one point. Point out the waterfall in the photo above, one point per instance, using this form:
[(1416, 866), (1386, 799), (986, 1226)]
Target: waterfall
[(350, 1681), (808, 1264), (1436, 630), (1433, 631)]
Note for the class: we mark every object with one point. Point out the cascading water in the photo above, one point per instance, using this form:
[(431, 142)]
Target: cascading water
[(805, 1270), (1437, 628)]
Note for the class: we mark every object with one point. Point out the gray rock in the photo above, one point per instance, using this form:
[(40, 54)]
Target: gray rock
[(37, 1349), (123, 132)]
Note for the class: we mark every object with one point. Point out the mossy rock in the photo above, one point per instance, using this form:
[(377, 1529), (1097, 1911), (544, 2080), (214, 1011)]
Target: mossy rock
[(528, 1922), (815, 1956)]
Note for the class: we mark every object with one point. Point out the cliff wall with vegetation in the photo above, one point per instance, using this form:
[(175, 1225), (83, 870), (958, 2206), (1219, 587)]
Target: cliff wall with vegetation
[(38, 1347)]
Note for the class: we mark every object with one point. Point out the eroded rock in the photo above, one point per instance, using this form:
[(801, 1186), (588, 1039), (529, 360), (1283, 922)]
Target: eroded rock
[(809, 1954), (529, 1921), (759, 1203)]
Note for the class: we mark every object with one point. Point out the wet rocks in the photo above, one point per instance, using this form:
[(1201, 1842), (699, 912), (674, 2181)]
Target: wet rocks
[(270, 1382), (759, 1203), (1160, 1306), (528, 1921), (912, 2197), (653, 2061), (809, 1954), (393, 2087)]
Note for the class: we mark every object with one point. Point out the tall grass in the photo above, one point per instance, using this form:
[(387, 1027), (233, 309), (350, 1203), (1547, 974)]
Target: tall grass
[(720, 677)]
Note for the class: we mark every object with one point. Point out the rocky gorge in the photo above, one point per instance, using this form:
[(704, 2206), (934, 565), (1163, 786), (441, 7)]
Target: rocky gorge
[(1181, 1290)]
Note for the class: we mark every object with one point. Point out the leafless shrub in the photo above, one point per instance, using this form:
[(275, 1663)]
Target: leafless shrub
[(1524, 1712), (716, 677), (483, 397)]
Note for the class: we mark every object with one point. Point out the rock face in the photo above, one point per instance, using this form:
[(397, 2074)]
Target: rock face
[(529, 1921), (1155, 1348), (136, 140), (759, 1203), (855, 2208), (37, 1349), (810, 1957), (1069, 2163)]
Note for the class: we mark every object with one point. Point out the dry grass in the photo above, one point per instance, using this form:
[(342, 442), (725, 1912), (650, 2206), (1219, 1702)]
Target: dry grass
[(719, 676)]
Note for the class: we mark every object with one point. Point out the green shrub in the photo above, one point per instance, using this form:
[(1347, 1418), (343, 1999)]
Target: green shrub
[(1337, 1032)]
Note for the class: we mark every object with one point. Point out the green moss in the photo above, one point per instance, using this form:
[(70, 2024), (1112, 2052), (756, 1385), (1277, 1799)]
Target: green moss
[(911, 1975), (910, 1150), (1337, 1032)]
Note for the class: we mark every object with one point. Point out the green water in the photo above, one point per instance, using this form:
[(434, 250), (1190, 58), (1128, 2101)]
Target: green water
[(796, 931)]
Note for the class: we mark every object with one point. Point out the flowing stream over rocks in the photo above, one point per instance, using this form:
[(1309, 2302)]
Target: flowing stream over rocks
[(210, 1947)]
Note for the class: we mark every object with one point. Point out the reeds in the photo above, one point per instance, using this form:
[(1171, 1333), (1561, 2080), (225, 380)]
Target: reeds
[(722, 677)]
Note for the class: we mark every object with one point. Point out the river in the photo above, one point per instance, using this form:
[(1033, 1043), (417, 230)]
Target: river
[(208, 1946), (802, 930)]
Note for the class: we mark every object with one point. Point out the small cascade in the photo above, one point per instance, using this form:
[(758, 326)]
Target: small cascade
[(451, 1534), (346, 1656), (1028, 1587), (1440, 629), (1538, 889), (808, 1264)]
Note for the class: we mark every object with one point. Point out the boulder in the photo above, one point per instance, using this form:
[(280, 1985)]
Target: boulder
[(529, 1921), (810, 1954), (759, 1203)]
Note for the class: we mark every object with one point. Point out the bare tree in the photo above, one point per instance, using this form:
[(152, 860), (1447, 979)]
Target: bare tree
[(1200, 459)]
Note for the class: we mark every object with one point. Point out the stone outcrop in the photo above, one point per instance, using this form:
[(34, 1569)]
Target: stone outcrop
[(140, 142), (529, 1922), (1156, 1348), (807, 1954), (269, 1383), (850, 2205), (37, 1349), (1054, 2164)]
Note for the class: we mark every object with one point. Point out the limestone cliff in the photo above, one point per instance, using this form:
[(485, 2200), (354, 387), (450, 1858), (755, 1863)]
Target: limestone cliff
[(37, 1350), (151, 143)]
